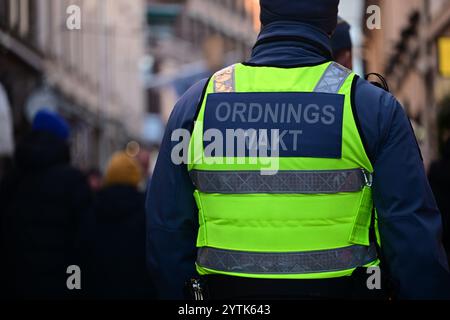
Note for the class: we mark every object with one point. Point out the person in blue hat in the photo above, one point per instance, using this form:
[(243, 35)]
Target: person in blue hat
[(51, 123), (295, 37), (341, 43), (43, 204)]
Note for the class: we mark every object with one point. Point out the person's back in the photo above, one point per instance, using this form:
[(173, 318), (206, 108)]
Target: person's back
[(272, 236), (45, 202), (116, 262)]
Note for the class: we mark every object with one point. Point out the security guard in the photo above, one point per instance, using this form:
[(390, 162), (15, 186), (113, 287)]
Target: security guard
[(348, 188)]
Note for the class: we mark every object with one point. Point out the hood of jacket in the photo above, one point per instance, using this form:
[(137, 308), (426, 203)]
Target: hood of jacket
[(291, 44)]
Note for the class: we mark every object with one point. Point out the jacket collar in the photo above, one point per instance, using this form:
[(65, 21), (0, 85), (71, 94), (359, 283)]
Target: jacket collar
[(291, 44)]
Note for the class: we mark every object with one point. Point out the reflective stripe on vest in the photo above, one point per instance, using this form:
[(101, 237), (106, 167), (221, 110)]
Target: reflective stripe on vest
[(224, 81), (286, 263), (284, 182), (333, 79)]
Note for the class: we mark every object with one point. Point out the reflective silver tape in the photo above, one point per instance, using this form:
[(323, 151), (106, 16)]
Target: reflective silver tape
[(224, 80), (284, 182), (332, 79), (286, 263)]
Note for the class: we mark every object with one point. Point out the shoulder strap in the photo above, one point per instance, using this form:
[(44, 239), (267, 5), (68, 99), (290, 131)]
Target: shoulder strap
[(225, 80), (332, 79)]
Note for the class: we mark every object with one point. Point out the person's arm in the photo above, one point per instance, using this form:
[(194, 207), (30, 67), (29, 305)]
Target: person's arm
[(172, 214), (408, 218)]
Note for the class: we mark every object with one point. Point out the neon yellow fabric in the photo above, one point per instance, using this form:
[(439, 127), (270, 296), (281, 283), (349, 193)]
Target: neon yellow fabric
[(283, 222)]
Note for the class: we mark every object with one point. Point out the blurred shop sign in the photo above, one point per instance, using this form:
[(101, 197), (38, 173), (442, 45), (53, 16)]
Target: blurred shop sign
[(444, 56)]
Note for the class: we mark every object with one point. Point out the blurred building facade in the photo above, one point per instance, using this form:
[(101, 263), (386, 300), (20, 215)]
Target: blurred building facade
[(406, 51), (236, 21), (91, 74), (352, 12), (200, 31)]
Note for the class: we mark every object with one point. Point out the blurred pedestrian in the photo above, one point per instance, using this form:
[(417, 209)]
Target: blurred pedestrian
[(43, 200), (144, 160), (341, 43), (439, 174), (95, 178), (116, 258)]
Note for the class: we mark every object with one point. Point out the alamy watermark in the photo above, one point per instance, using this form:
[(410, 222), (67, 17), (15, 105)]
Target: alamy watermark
[(373, 21), (374, 280), (74, 17), (73, 20), (74, 279)]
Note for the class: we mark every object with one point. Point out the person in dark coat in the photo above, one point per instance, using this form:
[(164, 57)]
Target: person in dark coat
[(341, 44), (43, 201), (439, 174), (116, 264)]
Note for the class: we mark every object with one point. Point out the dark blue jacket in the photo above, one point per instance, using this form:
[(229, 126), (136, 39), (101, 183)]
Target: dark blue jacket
[(409, 221)]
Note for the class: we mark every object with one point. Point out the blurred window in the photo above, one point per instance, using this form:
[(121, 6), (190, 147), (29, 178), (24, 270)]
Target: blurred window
[(13, 14)]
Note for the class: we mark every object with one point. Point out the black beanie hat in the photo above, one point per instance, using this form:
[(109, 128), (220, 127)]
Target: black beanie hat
[(341, 39), (320, 13)]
